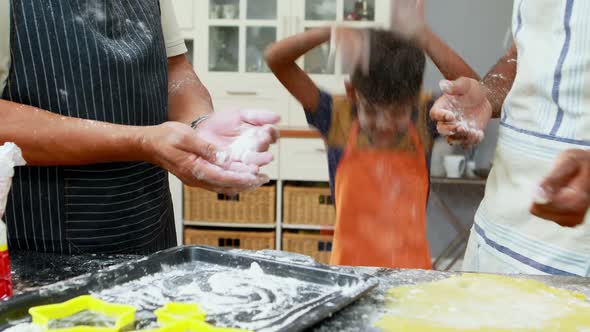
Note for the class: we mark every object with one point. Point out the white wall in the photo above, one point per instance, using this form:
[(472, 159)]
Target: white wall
[(476, 29)]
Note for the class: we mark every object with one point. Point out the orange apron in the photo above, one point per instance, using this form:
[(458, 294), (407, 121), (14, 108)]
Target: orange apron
[(381, 207)]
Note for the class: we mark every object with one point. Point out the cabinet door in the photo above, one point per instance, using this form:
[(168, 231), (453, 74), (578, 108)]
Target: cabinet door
[(224, 48), (262, 25), (240, 30), (223, 31), (233, 66)]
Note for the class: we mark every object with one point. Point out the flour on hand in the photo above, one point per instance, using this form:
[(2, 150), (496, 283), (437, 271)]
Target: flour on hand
[(244, 147)]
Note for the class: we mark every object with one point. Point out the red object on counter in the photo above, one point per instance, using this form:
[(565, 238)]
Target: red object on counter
[(5, 278)]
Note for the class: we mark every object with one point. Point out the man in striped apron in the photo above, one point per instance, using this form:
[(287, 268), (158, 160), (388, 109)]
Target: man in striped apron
[(99, 96), (541, 91)]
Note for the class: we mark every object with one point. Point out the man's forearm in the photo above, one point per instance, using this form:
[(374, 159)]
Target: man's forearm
[(498, 82), (188, 98), (48, 139)]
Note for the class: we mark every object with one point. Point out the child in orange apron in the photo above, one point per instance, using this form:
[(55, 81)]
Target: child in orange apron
[(377, 139)]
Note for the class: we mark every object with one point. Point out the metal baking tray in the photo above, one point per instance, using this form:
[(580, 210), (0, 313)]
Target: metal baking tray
[(310, 308)]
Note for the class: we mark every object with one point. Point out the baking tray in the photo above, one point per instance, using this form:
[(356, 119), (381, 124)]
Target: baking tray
[(344, 288)]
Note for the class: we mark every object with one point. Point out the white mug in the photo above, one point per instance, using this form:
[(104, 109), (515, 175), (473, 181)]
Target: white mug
[(454, 166), (229, 11)]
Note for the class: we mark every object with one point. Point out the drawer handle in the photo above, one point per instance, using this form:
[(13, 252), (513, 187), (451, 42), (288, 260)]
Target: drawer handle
[(228, 198), (310, 152), (228, 243), (242, 93)]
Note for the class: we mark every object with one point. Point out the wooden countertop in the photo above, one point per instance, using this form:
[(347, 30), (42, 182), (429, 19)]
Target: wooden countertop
[(299, 132)]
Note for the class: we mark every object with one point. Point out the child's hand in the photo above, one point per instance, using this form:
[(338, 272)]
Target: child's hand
[(407, 19), (463, 112), (354, 47)]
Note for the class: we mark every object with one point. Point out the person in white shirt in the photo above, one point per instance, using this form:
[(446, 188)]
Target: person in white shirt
[(533, 218)]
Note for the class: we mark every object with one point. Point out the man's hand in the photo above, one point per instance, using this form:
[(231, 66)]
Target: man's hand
[(179, 149), (564, 196), (463, 112), (242, 136)]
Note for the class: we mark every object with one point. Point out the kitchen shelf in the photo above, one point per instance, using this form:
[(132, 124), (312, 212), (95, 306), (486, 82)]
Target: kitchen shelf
[(229, 225), (299, 132), (222, 22), (438, 180), (309, 227)]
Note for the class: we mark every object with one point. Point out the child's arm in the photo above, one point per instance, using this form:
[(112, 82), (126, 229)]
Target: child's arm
[(450, 64), (281, 58)]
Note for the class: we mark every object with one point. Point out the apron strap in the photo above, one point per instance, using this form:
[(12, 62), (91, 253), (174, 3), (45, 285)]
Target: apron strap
[(413, 132), (4, 43), (353, 135)]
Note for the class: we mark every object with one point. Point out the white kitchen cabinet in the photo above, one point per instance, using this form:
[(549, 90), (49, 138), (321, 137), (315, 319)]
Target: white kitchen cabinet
[(296, 113), (303, 159), (272, 169)]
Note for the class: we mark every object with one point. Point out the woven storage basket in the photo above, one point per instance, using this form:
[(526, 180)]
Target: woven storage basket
[(319, 247), (230, 239), (255, 207), (308, 206)]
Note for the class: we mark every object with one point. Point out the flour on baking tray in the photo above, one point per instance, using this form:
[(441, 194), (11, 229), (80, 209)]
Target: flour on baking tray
[(248, 299)]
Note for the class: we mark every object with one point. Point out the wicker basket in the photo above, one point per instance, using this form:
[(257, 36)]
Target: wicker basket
[(243, 240), (308, 206), (316, 246), (255, 207)]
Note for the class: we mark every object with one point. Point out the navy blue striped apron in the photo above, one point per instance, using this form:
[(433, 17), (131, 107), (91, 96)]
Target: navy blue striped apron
[(102, 60)]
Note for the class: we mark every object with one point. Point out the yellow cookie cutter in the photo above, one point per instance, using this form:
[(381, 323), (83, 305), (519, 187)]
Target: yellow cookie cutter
[(175, 312), (124, 315), (181, 317), (195, 326)]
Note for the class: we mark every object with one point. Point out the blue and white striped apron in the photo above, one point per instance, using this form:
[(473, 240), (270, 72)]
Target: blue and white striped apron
[(102, 60), (546, 112)]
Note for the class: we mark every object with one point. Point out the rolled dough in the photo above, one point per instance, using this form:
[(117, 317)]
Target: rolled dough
[(476, 302)]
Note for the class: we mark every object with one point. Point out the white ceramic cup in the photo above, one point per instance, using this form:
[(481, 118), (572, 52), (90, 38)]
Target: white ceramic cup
[(229, 11), (454, 166)]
